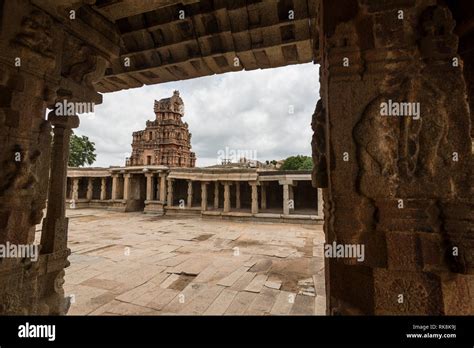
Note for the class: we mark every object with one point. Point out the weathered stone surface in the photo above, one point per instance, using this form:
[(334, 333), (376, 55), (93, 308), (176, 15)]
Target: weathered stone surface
[(165, 140), (391, 177), (257, 283), (390, 180), (142, 287)]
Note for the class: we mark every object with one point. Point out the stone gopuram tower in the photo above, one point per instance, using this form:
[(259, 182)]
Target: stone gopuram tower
[(166, 140)]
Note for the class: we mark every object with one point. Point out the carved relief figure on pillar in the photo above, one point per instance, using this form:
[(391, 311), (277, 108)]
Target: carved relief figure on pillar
[(166, 140)]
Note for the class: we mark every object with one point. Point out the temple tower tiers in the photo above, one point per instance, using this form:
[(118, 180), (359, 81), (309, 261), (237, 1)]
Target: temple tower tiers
[(166, 140)]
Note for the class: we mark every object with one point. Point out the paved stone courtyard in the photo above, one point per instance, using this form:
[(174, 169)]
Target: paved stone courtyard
[(136, 264)]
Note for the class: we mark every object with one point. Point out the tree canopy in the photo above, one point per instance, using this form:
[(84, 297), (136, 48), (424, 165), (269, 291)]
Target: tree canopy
[(298, 163), (81, 151)]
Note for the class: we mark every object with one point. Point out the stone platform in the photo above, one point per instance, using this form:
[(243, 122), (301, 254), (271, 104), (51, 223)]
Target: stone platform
[(136, 264)]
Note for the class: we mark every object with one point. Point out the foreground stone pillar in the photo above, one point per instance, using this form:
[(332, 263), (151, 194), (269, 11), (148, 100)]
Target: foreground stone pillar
[(237, 195), (149, 186), (399, 186), (254, 207), (54, 231), (190, 194), (263, 195), (46, 57), (163, 187), (170, 192), (90, 189), (103, 189), (216, 194), (126, 186), (204, 196), (226, 197)]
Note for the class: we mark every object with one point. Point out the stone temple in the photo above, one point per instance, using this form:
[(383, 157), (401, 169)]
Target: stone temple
[(165, 140)]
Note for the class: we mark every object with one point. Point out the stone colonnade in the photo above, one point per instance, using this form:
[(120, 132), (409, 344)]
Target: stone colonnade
[(219, 192), (114, 188)]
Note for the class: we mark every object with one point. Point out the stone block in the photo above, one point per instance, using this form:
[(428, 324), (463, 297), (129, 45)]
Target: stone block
[(404, 292), (403, 251)]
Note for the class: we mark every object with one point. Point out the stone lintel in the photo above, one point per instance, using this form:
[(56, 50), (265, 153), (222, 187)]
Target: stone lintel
[(67, 122)]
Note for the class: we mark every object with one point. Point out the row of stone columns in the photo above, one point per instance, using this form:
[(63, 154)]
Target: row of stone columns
[(90, 188), (164, 192), (160, 190), (150, 186), (287, 186)]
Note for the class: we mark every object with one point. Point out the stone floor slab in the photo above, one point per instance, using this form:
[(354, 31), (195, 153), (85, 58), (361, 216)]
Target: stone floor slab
[(189, 265)]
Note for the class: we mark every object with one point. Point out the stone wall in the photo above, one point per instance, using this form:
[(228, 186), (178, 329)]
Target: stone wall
[(400, 186)]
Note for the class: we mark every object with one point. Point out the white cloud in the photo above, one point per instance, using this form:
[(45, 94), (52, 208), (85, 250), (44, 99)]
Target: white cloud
[(242, 111)]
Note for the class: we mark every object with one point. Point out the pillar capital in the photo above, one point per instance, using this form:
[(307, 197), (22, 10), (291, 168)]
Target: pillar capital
[(66, 122)]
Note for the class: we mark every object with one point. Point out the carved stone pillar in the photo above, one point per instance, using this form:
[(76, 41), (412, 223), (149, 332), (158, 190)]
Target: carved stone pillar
[(127, 177), (90, 188), (54, 231), (190, 194), (38, 68), (263, 195), (170, 192), (204, 196), (291, 197), (254, 206), (114, 186), (226, 197), (216, 194), (103, 188), (157, 192), (75, 189), (286, 199), (162, 187), (237, 195), (398, 181), (149, 186)]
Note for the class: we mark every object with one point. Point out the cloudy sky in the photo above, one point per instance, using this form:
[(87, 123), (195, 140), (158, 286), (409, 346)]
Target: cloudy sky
[(266, 113)]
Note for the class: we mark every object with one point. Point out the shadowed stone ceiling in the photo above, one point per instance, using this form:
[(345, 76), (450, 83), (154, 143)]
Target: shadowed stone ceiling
[(163, 47)]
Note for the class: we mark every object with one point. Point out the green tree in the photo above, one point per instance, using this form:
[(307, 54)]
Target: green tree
[(298, 163), (81, 151)]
